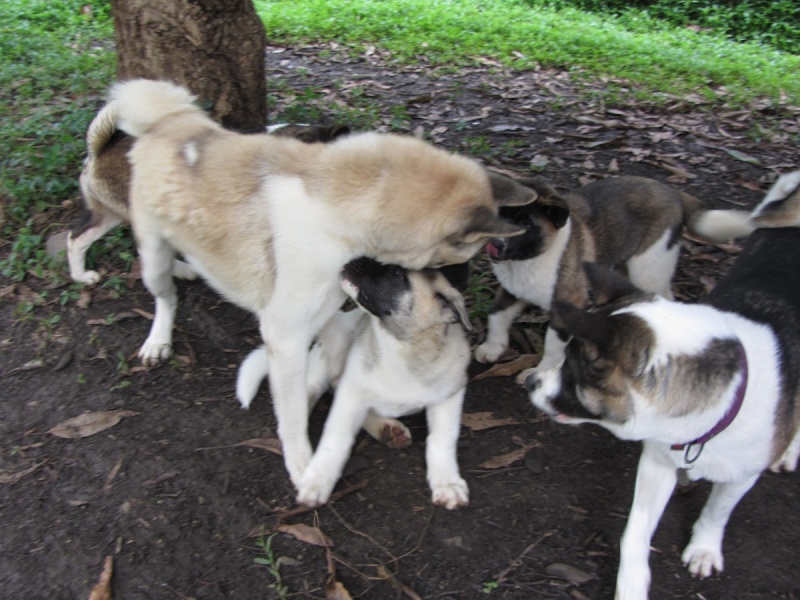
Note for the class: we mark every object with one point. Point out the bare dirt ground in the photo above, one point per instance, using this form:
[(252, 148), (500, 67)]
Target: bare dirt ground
[(179, 494)]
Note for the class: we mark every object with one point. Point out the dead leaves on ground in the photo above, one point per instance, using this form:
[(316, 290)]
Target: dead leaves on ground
[(272, 445), (102, 590), (512, 367), (509, 458), (89, 424)]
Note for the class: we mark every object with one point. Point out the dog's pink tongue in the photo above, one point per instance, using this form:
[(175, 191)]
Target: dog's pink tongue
[(491, 250)]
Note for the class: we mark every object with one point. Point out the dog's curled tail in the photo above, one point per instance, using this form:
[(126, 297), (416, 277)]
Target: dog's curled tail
[(101, 129), (253, 370), (715, 225), (141, 103)]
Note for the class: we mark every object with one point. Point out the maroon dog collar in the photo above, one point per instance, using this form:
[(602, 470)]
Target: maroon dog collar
[(694, 448)]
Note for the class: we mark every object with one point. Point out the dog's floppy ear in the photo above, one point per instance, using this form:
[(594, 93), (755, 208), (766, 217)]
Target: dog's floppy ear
[(484, 224), (594, 328), (452, 301), (556, 209), (608, 286), (508, 192), (457, 275), (541, 186), (336, 131)]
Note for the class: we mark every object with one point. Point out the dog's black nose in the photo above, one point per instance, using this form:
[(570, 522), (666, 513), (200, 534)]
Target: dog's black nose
[(532, 382)]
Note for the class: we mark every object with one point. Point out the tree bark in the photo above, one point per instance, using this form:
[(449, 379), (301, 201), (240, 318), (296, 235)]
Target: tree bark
[(216, 48)]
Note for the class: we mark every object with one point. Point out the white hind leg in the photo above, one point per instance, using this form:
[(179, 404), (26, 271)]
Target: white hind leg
[(652, 270), (78, 245), (157, 257), (788, 460)]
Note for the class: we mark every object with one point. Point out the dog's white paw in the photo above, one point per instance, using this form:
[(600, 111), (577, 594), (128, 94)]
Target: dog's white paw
[(701, 560), (87, 277), (787, 462), (182, 270), (631, 592), (153, 352), (315, 489), (451, 494), (523, 375), (489, 352), (632, 584), (388, 431)]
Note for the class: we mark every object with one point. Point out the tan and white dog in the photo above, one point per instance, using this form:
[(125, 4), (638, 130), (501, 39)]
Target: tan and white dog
[(269, 222), (629, 223), (711, 388), (403, 351), (106, 177)]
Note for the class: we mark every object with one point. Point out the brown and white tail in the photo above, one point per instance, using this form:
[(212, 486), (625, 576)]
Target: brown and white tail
[(101, 130), (715, 225), (141, 103)]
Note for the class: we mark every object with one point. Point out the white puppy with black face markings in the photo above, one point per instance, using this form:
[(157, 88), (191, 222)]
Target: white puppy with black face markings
[(403, 351), (711, 388)]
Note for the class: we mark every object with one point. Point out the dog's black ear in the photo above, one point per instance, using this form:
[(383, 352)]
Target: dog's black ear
[(337, 131), (485, 224), (542, 187), (607, 286), (509, 192), (596, 329), (556, 209), (457, 275)]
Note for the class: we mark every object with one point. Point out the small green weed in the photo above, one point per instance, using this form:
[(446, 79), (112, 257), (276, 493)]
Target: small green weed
[(272, 563)]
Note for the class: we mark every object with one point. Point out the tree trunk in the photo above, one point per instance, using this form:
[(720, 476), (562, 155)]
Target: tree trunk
[(216, 48)]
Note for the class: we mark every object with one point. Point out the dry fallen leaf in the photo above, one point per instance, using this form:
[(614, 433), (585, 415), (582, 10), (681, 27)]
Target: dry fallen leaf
[(334, 590), (269, 444), (509, 458), (478, 421), (569, 573), (102, 591), (512, 367), (89, 423), (307, 534)]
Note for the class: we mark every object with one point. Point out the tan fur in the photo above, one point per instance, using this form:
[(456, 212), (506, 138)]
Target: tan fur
[(270, 222)]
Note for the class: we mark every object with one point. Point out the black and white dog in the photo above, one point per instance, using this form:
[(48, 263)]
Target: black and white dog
[(711, 388), (404, 350), (632, 224)]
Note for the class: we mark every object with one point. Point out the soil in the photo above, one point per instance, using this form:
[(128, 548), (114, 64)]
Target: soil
[(177, 500)]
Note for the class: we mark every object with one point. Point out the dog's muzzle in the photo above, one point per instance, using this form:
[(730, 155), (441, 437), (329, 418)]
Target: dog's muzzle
[(495, 248)]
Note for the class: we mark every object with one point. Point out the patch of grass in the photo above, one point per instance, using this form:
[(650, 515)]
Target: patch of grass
[(771, 22), (55, 64), (640, 48), (272, 563)]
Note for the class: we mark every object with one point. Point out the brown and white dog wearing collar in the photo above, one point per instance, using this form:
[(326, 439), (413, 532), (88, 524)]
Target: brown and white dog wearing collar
[(711, 388)]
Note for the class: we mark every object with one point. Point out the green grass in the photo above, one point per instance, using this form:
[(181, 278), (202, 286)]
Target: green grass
[(56, 62), (635, 47)]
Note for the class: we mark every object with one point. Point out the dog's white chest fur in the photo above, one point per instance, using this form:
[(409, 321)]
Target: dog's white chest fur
[(534, 280), (385, 374)]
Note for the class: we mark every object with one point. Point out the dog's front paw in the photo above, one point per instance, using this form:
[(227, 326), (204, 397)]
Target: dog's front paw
[(314, 489), (489, 352), (451, 494), (701, 560), (632, 586), (153, 352), (87, 277)]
